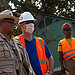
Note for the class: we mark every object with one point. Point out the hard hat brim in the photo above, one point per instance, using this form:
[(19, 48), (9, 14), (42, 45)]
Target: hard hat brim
[(2, 16), (26, 20), (66, 27)]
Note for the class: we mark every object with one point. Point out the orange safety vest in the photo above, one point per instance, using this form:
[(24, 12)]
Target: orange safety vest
[(40, 52), (68, 51)]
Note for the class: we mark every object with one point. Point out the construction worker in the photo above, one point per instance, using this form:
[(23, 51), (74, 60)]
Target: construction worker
[(13, 58), (66, 50), (35, 46)]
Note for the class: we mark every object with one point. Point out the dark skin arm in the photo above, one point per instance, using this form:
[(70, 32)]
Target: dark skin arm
[(61, 61)]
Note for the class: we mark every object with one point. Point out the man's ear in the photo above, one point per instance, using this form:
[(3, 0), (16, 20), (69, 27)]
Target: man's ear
[(64, 32)]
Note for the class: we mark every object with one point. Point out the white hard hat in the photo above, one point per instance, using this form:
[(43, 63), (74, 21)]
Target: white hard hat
[(26, 16)]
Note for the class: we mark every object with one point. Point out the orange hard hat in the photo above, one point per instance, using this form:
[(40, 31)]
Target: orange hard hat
[(66, 25)]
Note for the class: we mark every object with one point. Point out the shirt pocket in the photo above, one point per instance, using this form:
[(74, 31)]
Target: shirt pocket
[(5, 53)]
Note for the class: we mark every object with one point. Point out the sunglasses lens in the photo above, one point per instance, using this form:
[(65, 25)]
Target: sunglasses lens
[(11, 22), (27, 22), (67, 29)]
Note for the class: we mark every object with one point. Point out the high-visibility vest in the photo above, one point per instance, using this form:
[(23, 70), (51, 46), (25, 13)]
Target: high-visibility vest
[(40, 47), (68, 51)]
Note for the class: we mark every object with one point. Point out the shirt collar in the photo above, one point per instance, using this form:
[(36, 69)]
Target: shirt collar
[(5, 37), (33, 38)]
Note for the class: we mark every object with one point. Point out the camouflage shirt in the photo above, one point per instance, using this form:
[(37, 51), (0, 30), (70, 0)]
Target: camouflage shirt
[(14, 60)]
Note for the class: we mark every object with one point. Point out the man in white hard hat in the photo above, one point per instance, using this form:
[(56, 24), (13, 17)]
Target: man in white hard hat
[(13, 58), (35, 46)]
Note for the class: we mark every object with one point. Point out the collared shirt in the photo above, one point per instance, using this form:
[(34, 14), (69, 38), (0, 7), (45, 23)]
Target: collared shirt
[(32, 52)]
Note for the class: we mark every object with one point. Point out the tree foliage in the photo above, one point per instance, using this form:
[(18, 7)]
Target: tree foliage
[(62, 8), (59, 7), (52, 7)]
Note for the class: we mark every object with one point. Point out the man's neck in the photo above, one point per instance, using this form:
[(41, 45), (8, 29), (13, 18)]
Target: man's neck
[(68, 37), (27, 36)]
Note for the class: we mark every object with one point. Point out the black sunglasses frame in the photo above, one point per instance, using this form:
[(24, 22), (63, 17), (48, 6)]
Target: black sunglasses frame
[(27, 22), (3, 20), (67, 30), (10, 22)]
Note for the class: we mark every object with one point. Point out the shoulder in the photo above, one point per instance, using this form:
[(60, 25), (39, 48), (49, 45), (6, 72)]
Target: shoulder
[(73, 38), (61, 40), (39, 38), (16, 39)]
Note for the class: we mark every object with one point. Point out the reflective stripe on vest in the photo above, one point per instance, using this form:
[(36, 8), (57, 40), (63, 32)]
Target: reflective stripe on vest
[(40, 51), (68, 55), (68, 51), (42, 61)]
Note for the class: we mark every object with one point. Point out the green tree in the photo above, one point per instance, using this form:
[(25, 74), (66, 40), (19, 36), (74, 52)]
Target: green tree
[(4, 4), (62, 8), (58, 7), (52, 7)]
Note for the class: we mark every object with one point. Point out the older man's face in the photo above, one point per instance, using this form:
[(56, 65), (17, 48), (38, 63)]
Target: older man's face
[(8, 25)]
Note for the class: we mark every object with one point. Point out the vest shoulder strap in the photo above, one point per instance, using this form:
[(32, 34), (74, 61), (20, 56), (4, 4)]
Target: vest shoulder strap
[(40, 40)]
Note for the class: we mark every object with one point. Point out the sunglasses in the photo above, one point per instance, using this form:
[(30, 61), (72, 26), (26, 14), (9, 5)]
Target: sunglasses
[(67, 30), (10, 22), (4, 20), (27, 22)]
